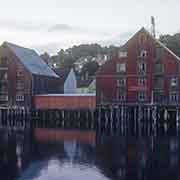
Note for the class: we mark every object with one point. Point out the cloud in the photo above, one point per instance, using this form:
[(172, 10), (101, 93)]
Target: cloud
[(27, 26), (20, 25), (51, 48), (117, 39), (60, 27), (54, 45)]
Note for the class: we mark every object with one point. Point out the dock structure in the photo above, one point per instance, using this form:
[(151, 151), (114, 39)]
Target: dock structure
[(123, 120)]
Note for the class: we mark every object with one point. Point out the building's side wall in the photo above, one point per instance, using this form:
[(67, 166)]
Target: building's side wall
[(105, 83), (65, 102), (13, 65), (106, 77), (46, 85)]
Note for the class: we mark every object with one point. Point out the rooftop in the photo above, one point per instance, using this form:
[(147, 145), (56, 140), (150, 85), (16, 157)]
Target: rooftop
[(31, 60)]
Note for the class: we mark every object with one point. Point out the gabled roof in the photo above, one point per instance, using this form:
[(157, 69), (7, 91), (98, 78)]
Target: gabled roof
[(160, 44), (123, 47), (62, 72), (156, 40), (31, 60)]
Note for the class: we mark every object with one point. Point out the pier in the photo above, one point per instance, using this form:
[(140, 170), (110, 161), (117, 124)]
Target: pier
[(123, 120)]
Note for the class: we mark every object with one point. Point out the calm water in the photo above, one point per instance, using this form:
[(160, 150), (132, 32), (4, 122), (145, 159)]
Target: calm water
[(66, 155)]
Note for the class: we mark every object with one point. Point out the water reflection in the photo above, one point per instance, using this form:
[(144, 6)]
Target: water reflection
[(39, 156)]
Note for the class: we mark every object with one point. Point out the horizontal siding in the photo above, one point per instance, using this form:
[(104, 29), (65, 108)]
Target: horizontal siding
[(64, 102)]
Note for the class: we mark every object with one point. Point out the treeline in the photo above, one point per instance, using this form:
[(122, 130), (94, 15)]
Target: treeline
[(172, 42), (67, 57)]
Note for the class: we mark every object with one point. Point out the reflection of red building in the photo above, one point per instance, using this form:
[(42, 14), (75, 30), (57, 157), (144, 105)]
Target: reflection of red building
[(143, 71), (88, 137)]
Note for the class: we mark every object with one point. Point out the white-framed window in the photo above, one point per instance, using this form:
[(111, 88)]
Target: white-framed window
[(122, 54), (174, 96), (143, 53), (19, 85), (3, 61), (142, 81), (141, 96), (142, 67), (174, 82), (3, 97), (4, 88), (120, 96), (19, 97), (120, 67), (5, 76), (121, 82), (19, 73)]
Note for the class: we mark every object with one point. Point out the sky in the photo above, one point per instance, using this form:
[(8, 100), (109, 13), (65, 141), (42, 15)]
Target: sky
[(49, 25)]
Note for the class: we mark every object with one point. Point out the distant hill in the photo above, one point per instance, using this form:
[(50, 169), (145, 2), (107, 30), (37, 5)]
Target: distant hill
[(85, 57)]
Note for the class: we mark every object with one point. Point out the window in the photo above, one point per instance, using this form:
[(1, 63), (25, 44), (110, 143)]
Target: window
[(121, 96), (141, 67), (19, 97), (122, 54), (141, 96), (5, 76), (143, 53), (159, 83), (19, 73), (3, 61), (174, 82), (174, 96), (121, 82), (120, 67), (3, 97), (158, 96), (159, 68), (159, 53), (20, 85), (4, 88), (141, 81)]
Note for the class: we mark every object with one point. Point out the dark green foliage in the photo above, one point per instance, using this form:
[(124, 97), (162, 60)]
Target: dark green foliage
[(91, 67), (172, 42), (46, 57)]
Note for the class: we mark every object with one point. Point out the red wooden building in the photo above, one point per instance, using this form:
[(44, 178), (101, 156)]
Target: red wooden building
[(143, 71), (24, 74), (65, 101)]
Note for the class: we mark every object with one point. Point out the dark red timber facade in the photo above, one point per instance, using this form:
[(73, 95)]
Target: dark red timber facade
[(144, 71), (23, 74)]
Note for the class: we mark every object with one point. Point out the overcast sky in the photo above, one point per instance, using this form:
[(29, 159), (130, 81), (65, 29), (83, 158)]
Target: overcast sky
[(48, 25)]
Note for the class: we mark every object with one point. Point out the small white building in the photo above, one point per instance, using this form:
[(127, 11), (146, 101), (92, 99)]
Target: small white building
[(88, 86), (69, 82)]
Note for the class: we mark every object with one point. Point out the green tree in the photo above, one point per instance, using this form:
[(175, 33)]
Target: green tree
[(91, 67), (172, 42), (46, 57)]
